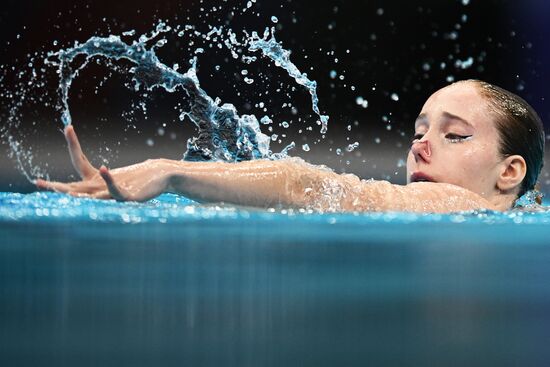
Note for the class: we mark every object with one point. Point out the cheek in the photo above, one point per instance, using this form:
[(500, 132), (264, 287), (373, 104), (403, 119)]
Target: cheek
[(479, 157), (410, 161), (477, 163), (457, 164)]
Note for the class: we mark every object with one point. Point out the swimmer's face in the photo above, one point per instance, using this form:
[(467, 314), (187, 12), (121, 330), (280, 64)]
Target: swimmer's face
[(456, 141)]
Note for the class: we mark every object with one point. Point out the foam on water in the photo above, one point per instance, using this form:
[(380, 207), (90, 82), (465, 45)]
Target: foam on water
[(41, 207)]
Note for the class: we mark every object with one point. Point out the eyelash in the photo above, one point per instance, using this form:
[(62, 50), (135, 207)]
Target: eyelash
[(453, 138)]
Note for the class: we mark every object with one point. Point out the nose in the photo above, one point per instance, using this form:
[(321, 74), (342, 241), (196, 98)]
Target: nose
[(422, 151)]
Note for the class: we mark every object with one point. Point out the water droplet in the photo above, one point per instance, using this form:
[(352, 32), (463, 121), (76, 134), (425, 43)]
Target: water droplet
[(274, 19), (464, 64), (362, 102), (352, 147), (305, 148)]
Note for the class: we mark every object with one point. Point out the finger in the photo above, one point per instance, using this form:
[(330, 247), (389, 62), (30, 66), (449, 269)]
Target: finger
[(116, 192), (79, 160), (52, 186)]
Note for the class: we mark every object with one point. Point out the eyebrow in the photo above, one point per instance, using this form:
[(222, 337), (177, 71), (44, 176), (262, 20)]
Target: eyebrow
[(455, 117), (422, 119)]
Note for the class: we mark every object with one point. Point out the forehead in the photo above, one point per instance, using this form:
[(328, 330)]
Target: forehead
[(462, 100)]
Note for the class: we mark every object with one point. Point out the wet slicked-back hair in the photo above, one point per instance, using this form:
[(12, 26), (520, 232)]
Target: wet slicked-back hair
[(519, 127)]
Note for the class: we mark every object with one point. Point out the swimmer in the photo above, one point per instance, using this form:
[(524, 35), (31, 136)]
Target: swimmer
[(476, 146)]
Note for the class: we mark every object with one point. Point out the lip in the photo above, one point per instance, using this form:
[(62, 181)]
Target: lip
[(421, 177)]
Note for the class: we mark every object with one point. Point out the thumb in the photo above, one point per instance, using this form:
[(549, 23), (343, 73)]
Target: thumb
[(116, 192)]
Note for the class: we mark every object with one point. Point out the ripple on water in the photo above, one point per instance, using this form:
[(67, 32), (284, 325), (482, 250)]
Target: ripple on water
[(44, 207)]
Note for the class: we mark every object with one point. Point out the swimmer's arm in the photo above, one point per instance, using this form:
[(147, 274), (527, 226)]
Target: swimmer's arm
[(294, 184), (258, 183), (290, 183)]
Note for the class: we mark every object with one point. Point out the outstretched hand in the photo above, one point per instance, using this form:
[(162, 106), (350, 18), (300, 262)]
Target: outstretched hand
[(138, 182)]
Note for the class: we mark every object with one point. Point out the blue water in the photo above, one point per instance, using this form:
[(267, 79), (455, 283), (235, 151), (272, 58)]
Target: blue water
[(171, 282), (47, 207)]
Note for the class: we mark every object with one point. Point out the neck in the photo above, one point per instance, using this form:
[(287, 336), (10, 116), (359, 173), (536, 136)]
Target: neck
[(503, 201)]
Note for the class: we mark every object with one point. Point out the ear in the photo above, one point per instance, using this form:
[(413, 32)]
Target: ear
[(512, 173)]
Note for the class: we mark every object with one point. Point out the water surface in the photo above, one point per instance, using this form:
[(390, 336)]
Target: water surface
[(171, 282)]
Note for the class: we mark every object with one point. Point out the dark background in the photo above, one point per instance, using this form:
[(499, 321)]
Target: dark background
[(394, 47)]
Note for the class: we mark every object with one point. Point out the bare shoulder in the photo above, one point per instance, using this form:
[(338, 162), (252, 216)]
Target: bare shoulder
[(330, 191), (422, 197), (320, 188)]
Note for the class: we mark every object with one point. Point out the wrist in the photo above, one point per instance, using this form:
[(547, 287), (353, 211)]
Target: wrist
[(171, 172)]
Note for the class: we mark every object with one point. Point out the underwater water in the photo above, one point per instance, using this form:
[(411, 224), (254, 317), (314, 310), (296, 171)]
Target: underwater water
[(171, 282)]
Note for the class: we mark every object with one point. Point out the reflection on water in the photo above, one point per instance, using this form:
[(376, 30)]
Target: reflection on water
[(273, 293)]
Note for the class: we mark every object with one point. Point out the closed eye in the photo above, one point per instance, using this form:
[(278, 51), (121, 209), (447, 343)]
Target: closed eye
[(455, 138)]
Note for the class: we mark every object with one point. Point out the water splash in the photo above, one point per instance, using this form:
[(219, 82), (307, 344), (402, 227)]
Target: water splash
[(222, 133), (275, 51), (529, 199), (27, 87)]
